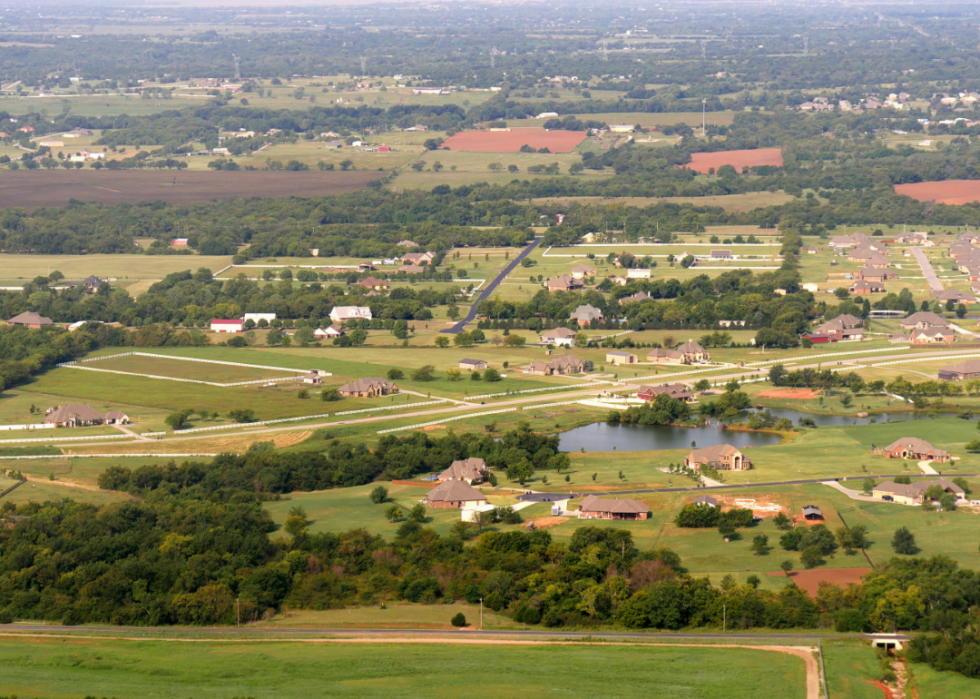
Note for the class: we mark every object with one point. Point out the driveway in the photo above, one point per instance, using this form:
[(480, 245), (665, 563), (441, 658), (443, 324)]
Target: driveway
[(927, 270)]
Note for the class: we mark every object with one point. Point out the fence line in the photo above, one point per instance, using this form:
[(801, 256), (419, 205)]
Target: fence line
[(448, 419), (928, 359), (391, 407), (183, 359), (102, 456), (66, 439), (537, 390)]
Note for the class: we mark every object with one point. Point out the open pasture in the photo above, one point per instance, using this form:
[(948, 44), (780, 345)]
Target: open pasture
[(63, 668), (57, 187), (147, 364), (511, 141), (735, 203), (106, 266), (945, 192), (703, 162)]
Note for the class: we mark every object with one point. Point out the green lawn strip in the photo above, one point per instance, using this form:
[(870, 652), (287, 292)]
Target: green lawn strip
[(42, 492), (119, 266), (392, 615), (932, 684), (851, 666), (125, 669), (81, 470), (195, 371)]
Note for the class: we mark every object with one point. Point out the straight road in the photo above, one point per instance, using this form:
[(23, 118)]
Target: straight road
[(489, 288), (927, 270)]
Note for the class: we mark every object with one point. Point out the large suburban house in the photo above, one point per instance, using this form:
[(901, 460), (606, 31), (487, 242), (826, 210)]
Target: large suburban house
[(955, 296), (471, 470), (721, 457), (931, 336), (873, 274), (418, 258), (843, 327), (455, 493), (82, 414), (331, 331), (677, 391), (912, 448), (593, 507), (566, 364), (227, 325), (559, 336), (638, 296), (913, 493), (565, 283), (665, 356), (584, 315), (373, 283), (368, 388), (923, 320), (582, 271), (863, 286), (30, 319), (970, 369), (339, 314), (693, 353)]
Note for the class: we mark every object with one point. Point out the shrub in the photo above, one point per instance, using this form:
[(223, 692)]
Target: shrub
[(379, 495), (459, 620)]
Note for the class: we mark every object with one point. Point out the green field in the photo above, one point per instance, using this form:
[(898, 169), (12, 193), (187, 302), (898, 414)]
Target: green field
[(65, 668), (117, 266), (175, 368), (735, 203)]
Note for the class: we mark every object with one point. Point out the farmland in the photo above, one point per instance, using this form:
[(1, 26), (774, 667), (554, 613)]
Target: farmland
[(703, 162), (55, 188), (944, 192), (511, 141)]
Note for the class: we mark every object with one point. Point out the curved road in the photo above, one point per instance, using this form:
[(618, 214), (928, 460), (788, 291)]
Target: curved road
[(489, 288)]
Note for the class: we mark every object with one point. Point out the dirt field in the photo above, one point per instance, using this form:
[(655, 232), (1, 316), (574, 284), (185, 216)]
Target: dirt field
[(702, 162), (548, 522), (511, 141), (55, 188), (801, 393), (809, 580), (947, 192)]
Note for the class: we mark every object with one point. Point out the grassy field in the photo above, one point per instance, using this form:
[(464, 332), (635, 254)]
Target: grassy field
[(15, 409), (392, 616), (64, 468), (196, 371), (60, 669), (851, 666), (736, 203), (116, 266), (42, 492)]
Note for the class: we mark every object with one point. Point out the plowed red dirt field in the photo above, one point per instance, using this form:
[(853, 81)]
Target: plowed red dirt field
[(947, 192), (702, 162)]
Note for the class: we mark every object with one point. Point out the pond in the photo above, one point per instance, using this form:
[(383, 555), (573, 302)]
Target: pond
[(845, 420)]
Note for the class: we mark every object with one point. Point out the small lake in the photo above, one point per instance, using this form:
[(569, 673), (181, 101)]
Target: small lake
[(603, 436)]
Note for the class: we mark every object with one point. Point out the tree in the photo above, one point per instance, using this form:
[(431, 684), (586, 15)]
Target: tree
[(379, 495), (395, 374), (424, 373), (242, 415), (442, 341), (811, 557), (304, 336), (347, 163), (459, 620), (760, 545), (781, 521), (786, 567), (274, 337), (453, 374), (330, 395), (177, 419), (393, 513), (491, 375), (417, 513), (869, 485), (904, 542), (702, 385), (515, 341)]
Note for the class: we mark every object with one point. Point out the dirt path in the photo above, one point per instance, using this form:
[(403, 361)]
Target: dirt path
[(806, 653)]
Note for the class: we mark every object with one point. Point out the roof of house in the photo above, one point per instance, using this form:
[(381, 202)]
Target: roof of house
[(558, 333), (454, 491), (564, 281), (371, 282), (464, 469), (585, 269), (92, 281), (865, 285), (916, 446), (366, 384), (970, 366), (674, 390), (811, 510), (917, 489), (706, 500), (472, 362), (712, 453), (80, 411), (927, 317), (115, 415), (351, 312), (638, 296), (617, 353), (953, 295), (29, 318), (410, 269), (593, 503), (226, 321), (669, 353), (690, 347), (566, 360), (935, 332), (586, 312)]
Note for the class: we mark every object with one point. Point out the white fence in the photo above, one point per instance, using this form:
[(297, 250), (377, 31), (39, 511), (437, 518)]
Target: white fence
[(104, 456), (54, 438), (391, 407), (971, 355), (184, 359), (538, 390), (38, 426), (447, 419), (174, 378)]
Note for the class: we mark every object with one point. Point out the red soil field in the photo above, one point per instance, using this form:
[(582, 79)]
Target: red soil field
[(702, 162), (56, 187), (809, 580), (953, 192), (790, 393), (511, 141)]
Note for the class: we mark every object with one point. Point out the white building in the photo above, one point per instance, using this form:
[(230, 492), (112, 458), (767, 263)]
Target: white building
[(341, 313), (256, 317)]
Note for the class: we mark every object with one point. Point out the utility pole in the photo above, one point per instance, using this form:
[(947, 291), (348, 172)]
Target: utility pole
[(238, 610), (481, 614), (704, 103)]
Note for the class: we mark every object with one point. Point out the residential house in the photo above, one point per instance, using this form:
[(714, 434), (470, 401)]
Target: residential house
[(455, 493), (617, 357), (418, 258), (312, 378), (874, 274), (678, 391), (706, 500), (30, 319), (565, 283), (914, 238), (922, 320), (259, 317), (618, 279), (340, 314), (228, 325), (955, 296), (812, 513), (721, 254), (373, 283), (665, 356), (637, 273), (584, 315), (970, 369), (913, 493), (582, 271), (594, 507), (116, 417), (559, 336), (330, 332), (92, 283), (372, 387), (74, 415), (721, 457), (407, 244), (471, 471), (410, 269), (472, 364), (694, 353), (638, 296), (914, 449), (842, 327), (932, 336), (866, 287), (566, 364)]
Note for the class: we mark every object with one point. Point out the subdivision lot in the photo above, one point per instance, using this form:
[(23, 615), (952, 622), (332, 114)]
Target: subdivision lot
[(56, 187), (511, 141), (63, 668), (702, 162)]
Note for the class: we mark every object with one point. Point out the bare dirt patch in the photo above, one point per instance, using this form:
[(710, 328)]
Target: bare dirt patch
[(548, 522), (56, 187), (809, 580), (761, 506), (795, 393), (511, 141), (702, 162), (953, 192)]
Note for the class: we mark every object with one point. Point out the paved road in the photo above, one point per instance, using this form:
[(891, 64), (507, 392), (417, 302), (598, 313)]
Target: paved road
[(489, 288), (552, 497), (927, 270), (172, 632)]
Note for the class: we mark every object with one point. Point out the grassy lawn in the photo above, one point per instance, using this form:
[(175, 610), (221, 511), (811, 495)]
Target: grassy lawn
[(85, 471), (736, 203), (118, 266), (59, 669), (42, 492), (394, 615), (196, 371), (932, 684), (851, 666)]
